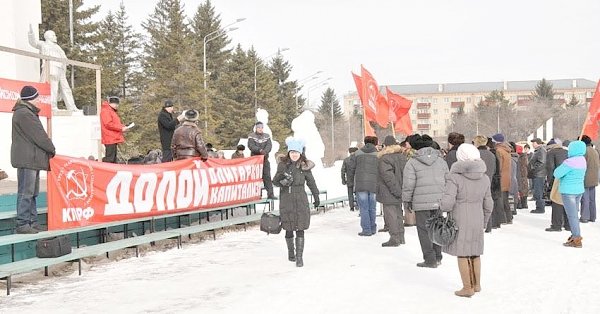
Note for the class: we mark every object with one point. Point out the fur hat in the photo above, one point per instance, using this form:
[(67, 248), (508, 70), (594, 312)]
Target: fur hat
[(389, 140), (480, 140), (294, 144), (29, 93), (422, 141), (240, 147), (498, 138), (167, 104), (113, 100), (191, 115), (467, 152), (586, 139)]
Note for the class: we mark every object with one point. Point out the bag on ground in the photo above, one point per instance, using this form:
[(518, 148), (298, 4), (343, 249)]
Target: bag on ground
[(53, 247)]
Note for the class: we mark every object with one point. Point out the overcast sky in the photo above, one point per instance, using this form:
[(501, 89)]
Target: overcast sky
[(412, 42)]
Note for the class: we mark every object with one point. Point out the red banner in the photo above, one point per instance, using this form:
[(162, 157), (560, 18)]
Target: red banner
[(82, 192), (367, 126), (10, 91), (590, 126), (399, 107), (371, 97)]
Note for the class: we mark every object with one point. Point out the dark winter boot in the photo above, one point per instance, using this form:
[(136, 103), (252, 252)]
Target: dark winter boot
[(464, 267), (402, 241), (290, 246), (476, 268), (299, 251)]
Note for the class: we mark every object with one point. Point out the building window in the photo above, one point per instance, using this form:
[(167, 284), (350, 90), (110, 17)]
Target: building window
[(435, 111), (447, 121), (413, 122), (435, 121), (468, 100), (435, 133), (435, 100), (446, 111), (456, 98), (446, 99), (414, 111), (513, 98)]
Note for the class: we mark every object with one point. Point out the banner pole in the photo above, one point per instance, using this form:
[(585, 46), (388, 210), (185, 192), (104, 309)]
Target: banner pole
[(393, 130), (584, 124)]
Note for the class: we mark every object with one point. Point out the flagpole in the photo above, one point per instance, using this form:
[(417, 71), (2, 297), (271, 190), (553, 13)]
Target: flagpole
[(393, 130), (585, 122)]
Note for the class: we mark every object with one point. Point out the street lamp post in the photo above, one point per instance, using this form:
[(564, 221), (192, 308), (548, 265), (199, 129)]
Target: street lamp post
[(307, 79), (317, 85), (332, 135), (255, 73), (218, 33)]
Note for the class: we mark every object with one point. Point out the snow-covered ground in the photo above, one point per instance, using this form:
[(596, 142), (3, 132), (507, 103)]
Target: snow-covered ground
[(524, 270)]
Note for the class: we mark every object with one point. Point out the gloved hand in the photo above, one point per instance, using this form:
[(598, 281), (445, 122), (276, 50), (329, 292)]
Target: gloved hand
[(181, 116), (317, 201), (408, 206)]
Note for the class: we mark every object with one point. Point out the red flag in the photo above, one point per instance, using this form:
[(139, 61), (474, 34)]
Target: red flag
[(590, 127), (399, 107), (367, 126), (372, 99), (383, 111)]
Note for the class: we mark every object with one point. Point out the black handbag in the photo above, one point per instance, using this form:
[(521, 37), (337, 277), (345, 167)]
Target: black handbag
[(270, 223), (53, 247), (442, 230)]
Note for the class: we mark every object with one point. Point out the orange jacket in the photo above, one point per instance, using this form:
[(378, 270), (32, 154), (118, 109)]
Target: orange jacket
[(110, 125)]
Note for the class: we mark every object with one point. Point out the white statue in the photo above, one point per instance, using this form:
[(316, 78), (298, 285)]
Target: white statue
[(263, 116), (54, 71), (304, 127)]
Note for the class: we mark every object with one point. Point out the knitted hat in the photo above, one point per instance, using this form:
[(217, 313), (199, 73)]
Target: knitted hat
[(113, 100), (29, 93), (191, 115), (586, 139), (167, 104), (467, 152), (498, 138), (519, 149), (294, 144), (389, 140)]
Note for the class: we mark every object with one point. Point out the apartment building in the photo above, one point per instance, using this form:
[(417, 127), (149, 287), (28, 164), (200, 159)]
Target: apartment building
[(433, 104)]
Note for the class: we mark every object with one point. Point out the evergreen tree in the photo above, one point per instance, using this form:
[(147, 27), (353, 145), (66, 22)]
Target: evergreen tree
[(329, 99), (171, 70), (286, 90), (119, 54), (207, 23), (544, 92), (267, 97), (573, 102), (55, 17), (234, 109)]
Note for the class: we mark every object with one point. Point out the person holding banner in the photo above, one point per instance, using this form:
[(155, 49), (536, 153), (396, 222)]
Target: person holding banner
[(30, 152), (187, 139), (293, 172), (112, 129)]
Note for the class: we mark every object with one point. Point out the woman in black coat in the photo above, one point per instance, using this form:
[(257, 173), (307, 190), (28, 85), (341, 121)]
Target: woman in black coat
[(293, 172)]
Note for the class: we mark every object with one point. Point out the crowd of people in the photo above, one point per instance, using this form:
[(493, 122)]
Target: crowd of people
[(476, 183)]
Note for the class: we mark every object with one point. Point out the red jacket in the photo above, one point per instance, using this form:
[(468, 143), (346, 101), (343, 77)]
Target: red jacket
[(111, 126)]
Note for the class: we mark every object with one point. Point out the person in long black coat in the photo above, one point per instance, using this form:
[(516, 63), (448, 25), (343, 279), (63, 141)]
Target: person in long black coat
[(293, 172), (166, 127)]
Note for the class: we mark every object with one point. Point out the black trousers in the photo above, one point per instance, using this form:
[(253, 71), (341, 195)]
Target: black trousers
[(431, 251), (267, 181), (351, 197), (111, 153), (559, 217), (167, 155), (508, 216)]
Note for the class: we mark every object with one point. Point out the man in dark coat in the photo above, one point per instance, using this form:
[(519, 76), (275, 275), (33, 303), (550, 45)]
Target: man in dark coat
[(239, 152), (259, 143), (454, 140), (364, 172), (30, 152), (346, 179), (588, 200), (492, 171), (555, 156), (537, 172), (392, 159), (166, 126)]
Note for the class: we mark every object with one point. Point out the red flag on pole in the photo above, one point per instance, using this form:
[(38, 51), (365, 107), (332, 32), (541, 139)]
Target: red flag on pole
[(373, 99), (590, 127), (399, 107), (367, 126)]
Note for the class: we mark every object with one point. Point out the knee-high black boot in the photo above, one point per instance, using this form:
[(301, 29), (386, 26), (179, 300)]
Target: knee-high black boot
[(290, 247), (299, 251)]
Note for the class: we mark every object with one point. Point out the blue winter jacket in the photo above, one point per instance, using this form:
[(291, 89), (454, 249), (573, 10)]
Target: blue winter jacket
[(572, 171)]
